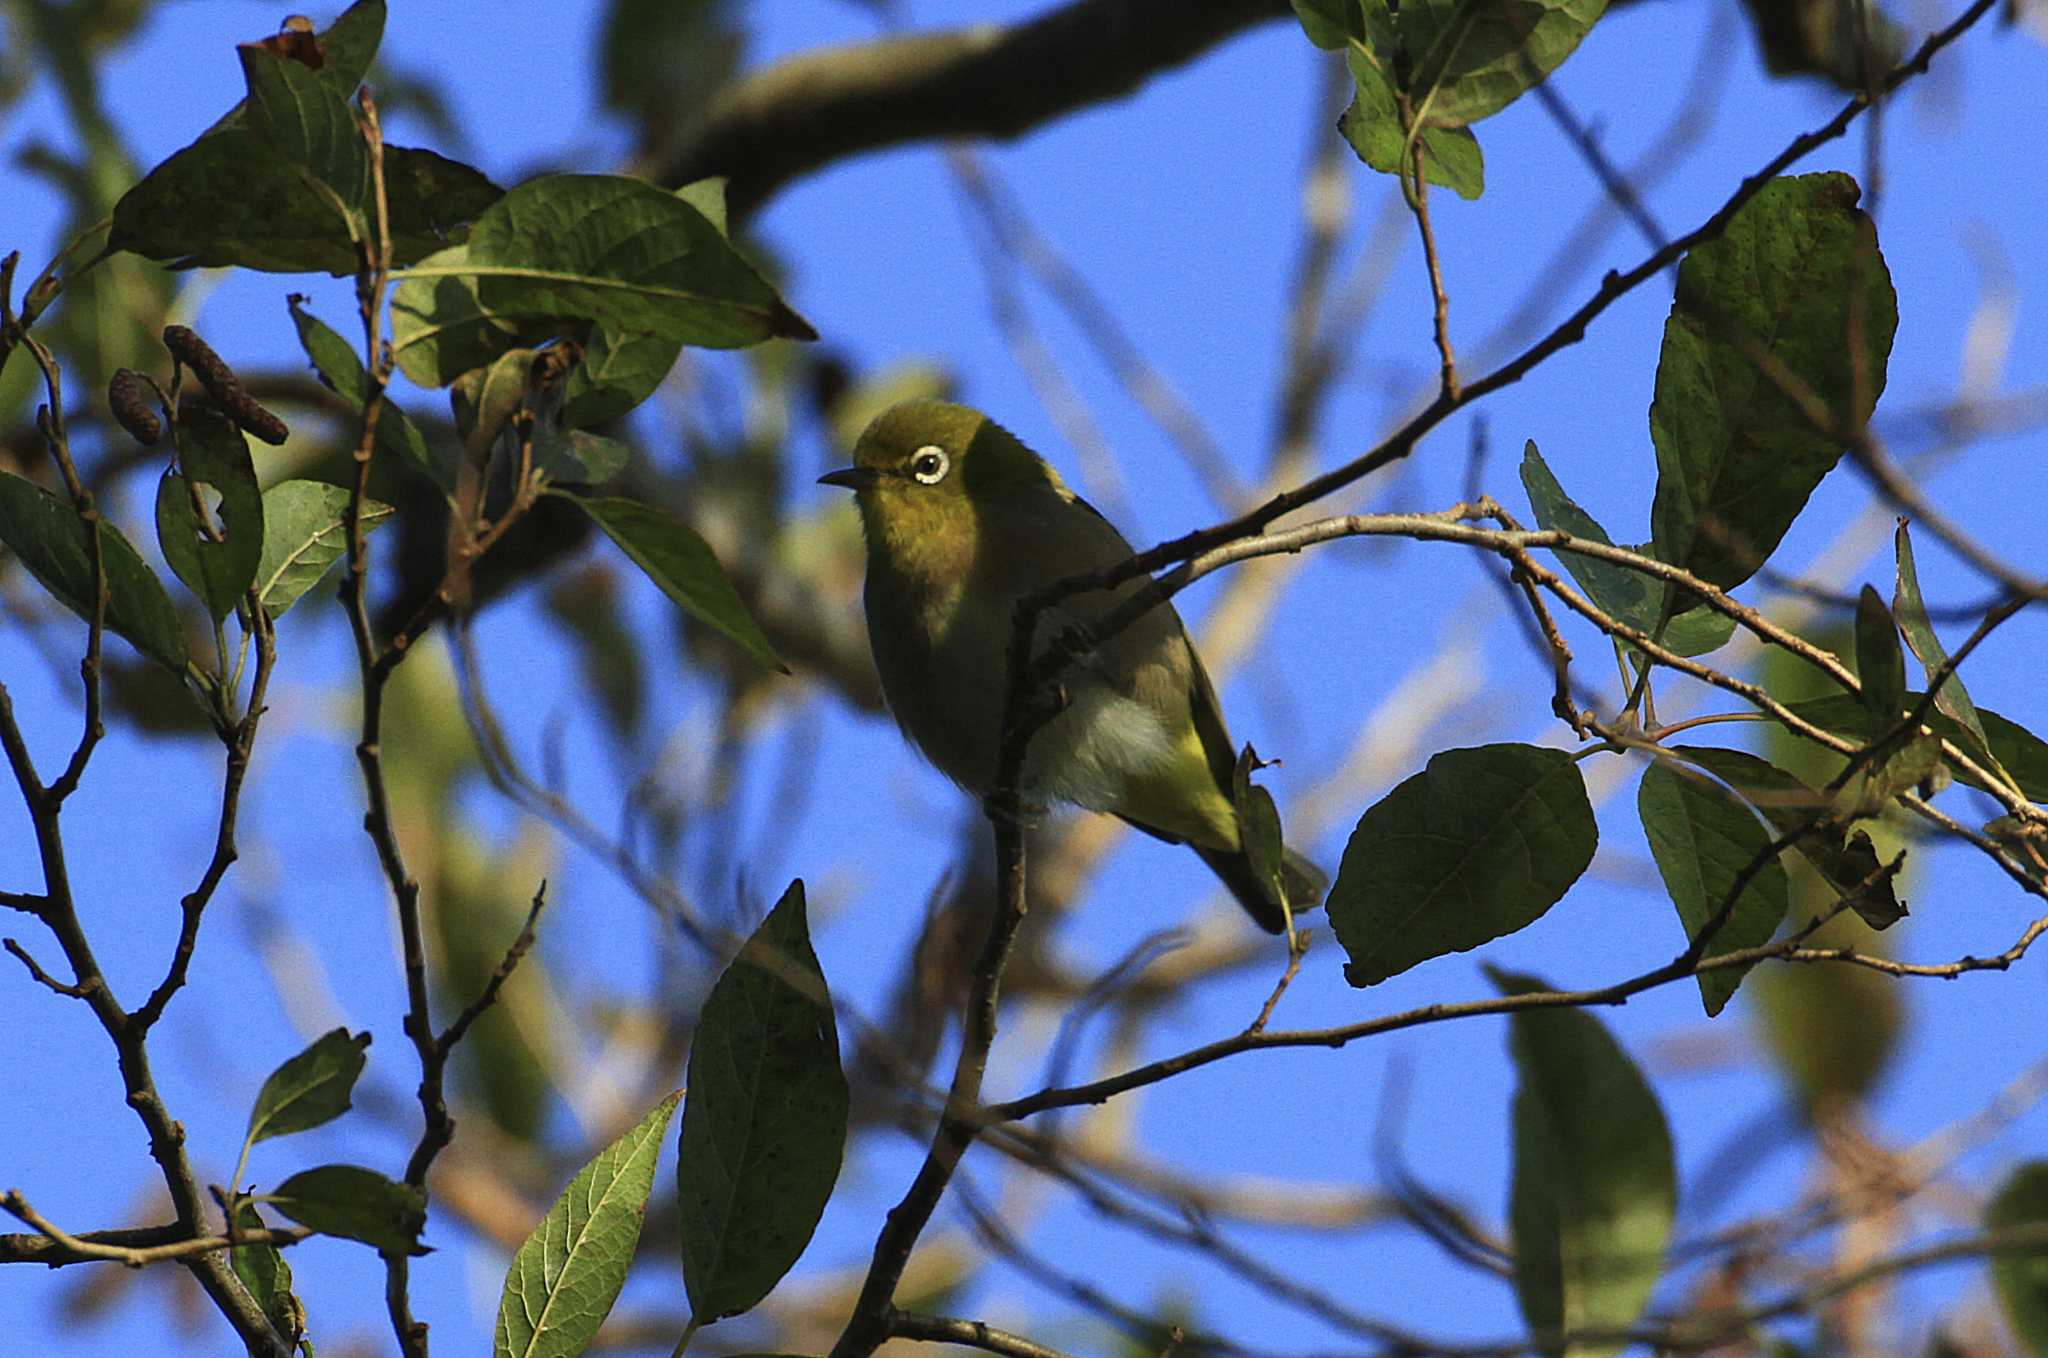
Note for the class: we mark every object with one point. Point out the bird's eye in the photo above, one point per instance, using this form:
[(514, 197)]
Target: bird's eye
[(930, 464)]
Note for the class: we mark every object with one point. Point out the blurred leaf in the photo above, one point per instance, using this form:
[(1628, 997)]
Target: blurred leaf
[(2021, 1280), (1462, 61), (340, 368), (1832, 1030), (586, 603), (661, 62), (55, 545), (356, 1204), (1821, 37), (2022, 753), (1258, 822), (764, 1129), (1880, 664), (578, 456), (569, 1271), (851, 408), (1372, 124), (1477, 845), (268, 1277), (1736, 457), (1951, 698), (671, 554), (1702, 837), (1630, 596), (619, 370), (1595, 1187), (304, 533), (1846, 861), (311, 1088), (214, 453)]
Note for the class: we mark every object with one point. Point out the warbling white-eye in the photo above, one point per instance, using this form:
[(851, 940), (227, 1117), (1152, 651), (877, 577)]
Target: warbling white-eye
[(961, 521)]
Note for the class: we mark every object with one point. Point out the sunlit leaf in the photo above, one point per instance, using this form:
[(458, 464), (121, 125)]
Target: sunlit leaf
[(311, 1088), (1372, 124), (1477, 845), (304, 533)]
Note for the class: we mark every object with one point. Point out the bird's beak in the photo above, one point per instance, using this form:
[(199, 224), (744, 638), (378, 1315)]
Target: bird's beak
[(853, 478)]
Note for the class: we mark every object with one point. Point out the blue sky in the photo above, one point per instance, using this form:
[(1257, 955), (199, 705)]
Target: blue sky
[(1181, 207)]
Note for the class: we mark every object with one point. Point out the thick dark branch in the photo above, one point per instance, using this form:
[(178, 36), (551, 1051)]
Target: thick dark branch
[(982, 81)]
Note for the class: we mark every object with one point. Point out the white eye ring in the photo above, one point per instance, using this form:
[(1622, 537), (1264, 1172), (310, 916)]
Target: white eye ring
[(929, 465)]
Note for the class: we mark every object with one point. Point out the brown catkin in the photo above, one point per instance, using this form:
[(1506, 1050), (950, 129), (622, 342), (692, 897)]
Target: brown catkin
[(221, 383), (128, 400)]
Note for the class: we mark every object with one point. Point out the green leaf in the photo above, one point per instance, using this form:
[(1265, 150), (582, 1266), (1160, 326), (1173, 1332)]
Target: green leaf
[(439, 328), (268, 1277), (355, 1204), (483, 400), (228, 199), (620, 369), (340, 368), (2021, 1280), (214, 453), (1372, 124), (1880, 664), (579, 456), (568, 1273), (1736, 457), (2019, 751), (304, 533), (310, 1089), (671, 554), (1258, 823), (573, 249), (1702, 837), (708, 197), (1847, 862), (1951, 698), (350, 44), (1468, 59), (1477, 845), (764, 1129), (1595, 1188), (1630, 596), (51, 540), (298, 116), (1821, 37), (1330, 24)]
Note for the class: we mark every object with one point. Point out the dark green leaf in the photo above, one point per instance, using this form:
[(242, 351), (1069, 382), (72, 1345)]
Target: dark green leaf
[(1465, 61), (227, 199), (764, 1129), (304, 533), (356, 1204), (1258, 823), (350, 45), (2019, 751), (1951, 698), (619, 370), (1595, 1187), (440, 330), (1880, 664), (2021, 1280), (1450, 155), (339, 367), (579, 456), (294, 111), (214, 453), (568, 1273), (310, 1089), (1848, 862), (53, 543), (268, 1277), (1736, 456), (1703, 839), (1331, 24), (574, 249), (1630, 596), (671, 554), (1477, 845)]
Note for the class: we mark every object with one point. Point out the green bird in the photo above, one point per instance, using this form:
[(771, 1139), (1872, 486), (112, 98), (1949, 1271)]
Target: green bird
[(961, 521)]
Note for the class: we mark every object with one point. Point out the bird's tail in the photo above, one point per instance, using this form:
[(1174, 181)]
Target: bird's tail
[(1303, 880)]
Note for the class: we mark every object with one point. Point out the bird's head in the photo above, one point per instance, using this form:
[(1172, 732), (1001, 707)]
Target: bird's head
[(925, 472)]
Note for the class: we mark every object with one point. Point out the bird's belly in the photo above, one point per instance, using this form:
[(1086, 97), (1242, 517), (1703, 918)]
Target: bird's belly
[(1091, 753)]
